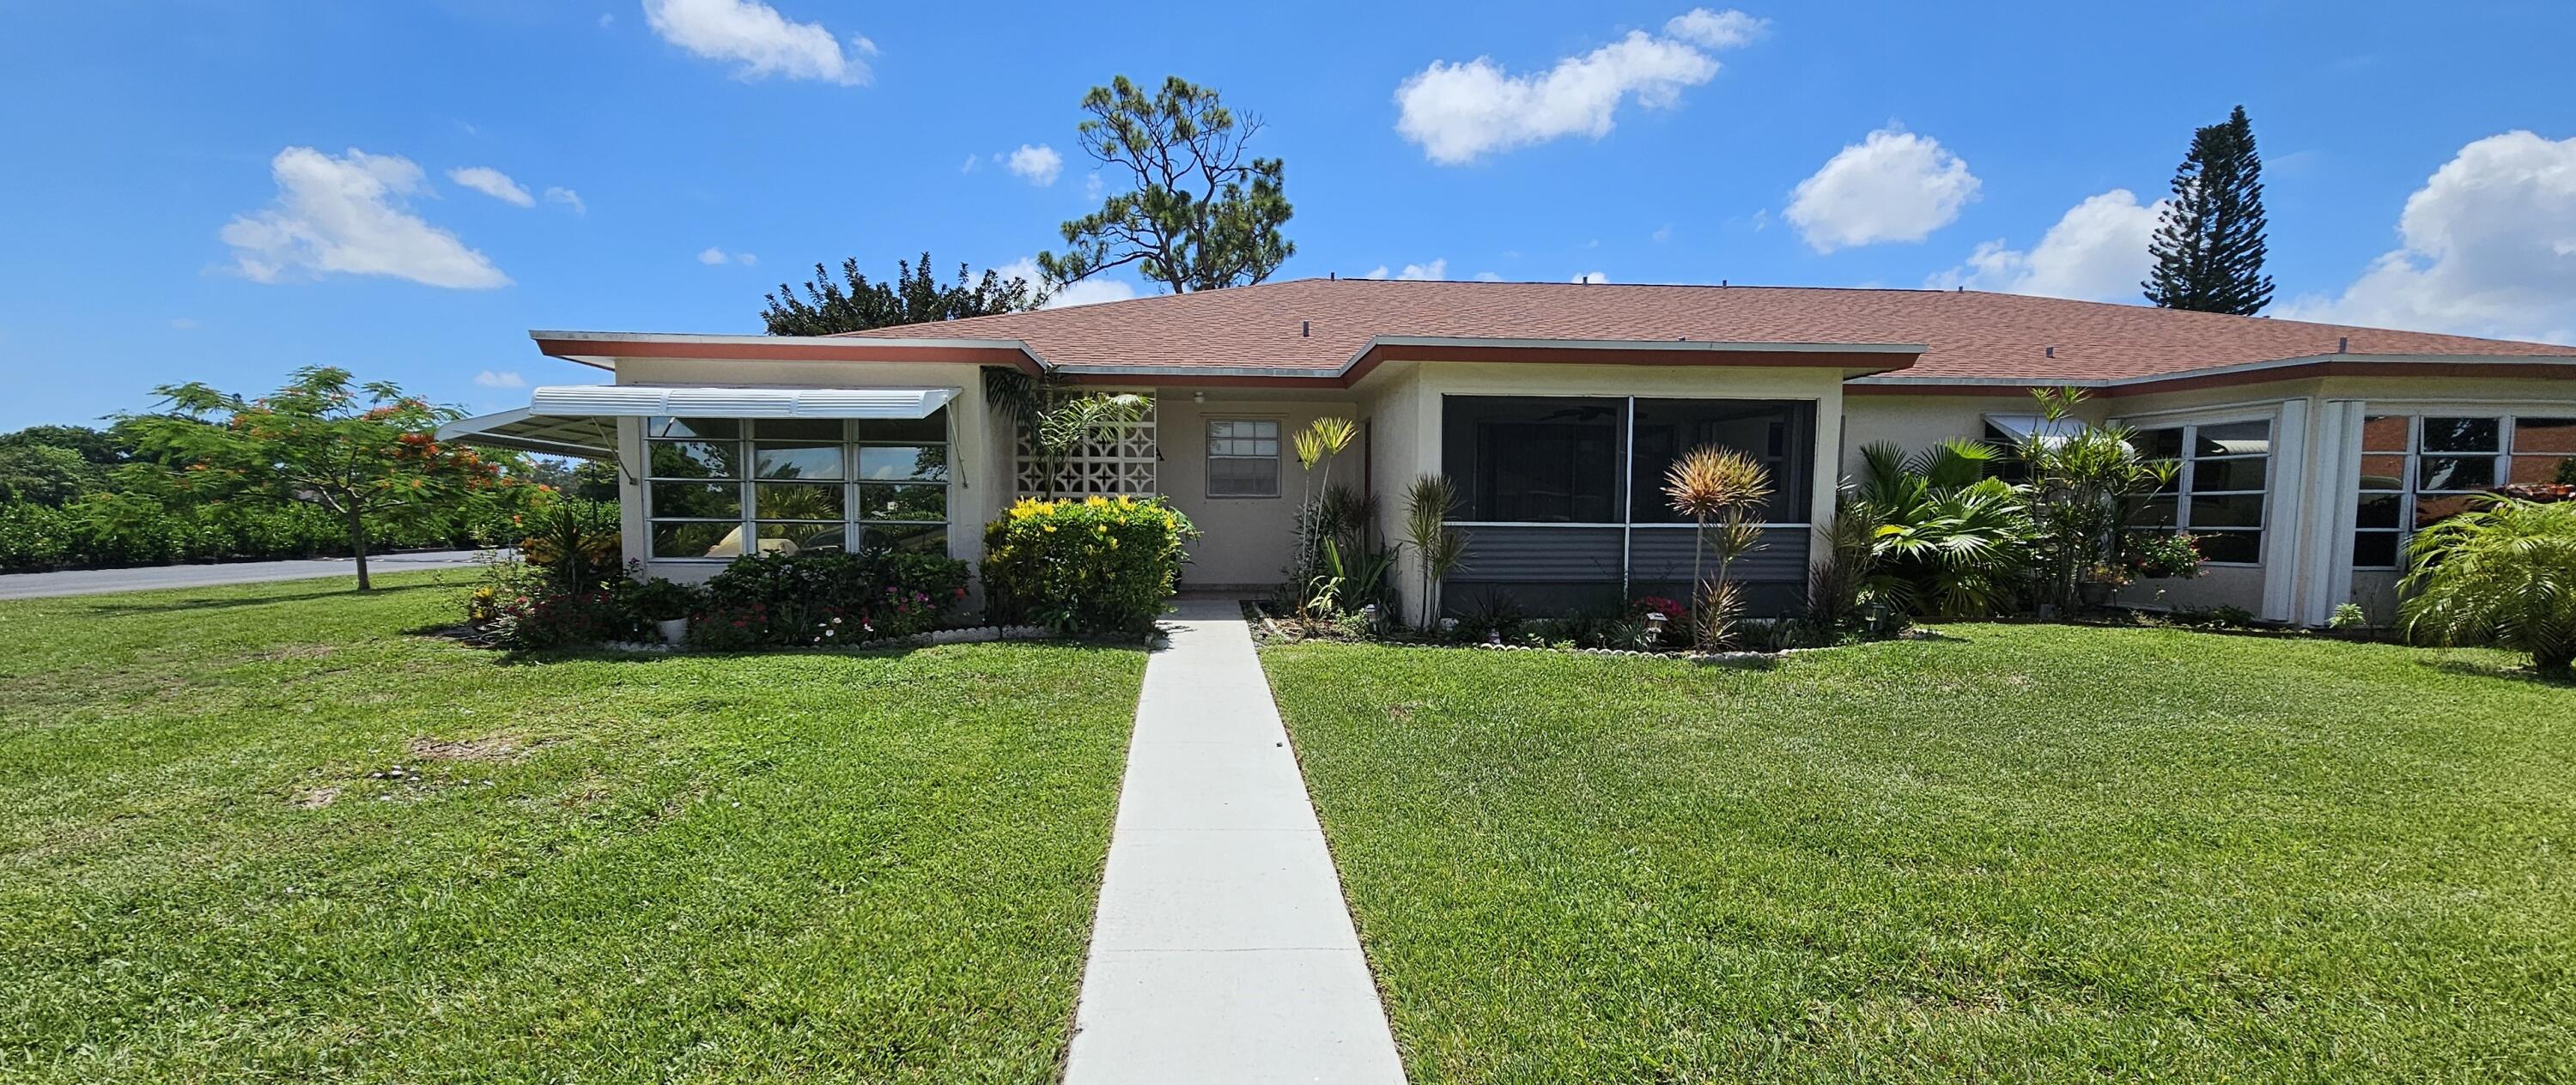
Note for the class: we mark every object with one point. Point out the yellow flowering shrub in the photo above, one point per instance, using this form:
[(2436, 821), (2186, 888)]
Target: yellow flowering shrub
[(1093, 565)]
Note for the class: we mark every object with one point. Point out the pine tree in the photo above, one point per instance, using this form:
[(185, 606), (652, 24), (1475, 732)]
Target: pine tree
[(913, 296), (2209, 244), (1204, 214)]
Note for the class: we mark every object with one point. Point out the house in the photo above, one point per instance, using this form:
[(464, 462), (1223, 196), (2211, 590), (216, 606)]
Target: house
[(2308, 449)]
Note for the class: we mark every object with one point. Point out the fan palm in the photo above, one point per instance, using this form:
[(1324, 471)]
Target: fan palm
[(2502, 575)]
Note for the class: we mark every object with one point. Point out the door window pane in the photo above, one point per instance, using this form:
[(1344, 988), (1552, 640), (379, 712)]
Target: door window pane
[(903, 502), (2378, 510), (2233, 439), (2435, 473), (2228, 474), (904, 463), (2386, 433), (2227, 510), (2461, 434), (911, 538), (704, 429), (2432, 509), (697, 500), (803, 538), (797, 501), (2374, 550), (821, 462), (697, 540), (696, 459), (931, 430), (2383, 472), (2234, 547)]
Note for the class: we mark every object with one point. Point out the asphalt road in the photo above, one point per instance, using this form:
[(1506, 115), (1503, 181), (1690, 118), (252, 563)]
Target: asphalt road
[(95, 581)]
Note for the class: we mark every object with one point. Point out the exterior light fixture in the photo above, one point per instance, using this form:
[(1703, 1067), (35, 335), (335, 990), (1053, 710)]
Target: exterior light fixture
[(1655, 620)]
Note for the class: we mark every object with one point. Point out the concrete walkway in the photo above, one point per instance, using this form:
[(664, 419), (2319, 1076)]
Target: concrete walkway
[(95, 581), (1223, 951)]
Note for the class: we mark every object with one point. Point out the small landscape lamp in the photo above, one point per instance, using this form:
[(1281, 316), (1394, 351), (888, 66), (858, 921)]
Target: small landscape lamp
[(1493, 636), (1655, 620), (1368, 616), (1875, 613)]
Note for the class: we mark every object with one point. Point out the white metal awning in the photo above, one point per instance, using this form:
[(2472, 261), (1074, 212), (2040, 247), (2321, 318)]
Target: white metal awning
[(630, 400), (590, 438), (581, 419), (2022, 427)]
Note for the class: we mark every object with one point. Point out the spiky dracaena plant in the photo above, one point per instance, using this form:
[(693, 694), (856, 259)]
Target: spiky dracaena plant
[(1442, 549), (1711, 484), (1316, 445), (2502, 575)]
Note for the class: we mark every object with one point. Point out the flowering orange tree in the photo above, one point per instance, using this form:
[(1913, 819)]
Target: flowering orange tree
[(360, 450)]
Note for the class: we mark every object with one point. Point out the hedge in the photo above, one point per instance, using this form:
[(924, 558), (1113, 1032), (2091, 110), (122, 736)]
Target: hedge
[(109, 530), (1098, 565)]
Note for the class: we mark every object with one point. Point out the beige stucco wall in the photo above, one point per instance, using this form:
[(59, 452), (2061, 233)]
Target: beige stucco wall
[(1247, 540)]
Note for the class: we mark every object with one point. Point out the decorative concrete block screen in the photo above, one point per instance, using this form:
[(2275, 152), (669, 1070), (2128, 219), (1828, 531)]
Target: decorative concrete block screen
[(1110, 463)]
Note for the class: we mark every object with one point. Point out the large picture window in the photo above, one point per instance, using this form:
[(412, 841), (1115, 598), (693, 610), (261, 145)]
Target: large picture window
[(718, 488), (2417, 470), (2218, 494), (1569, 460), (1534, 461)]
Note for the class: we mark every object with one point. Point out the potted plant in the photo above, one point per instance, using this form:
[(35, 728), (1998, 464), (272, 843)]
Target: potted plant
[(667, 605), (2099, 583)]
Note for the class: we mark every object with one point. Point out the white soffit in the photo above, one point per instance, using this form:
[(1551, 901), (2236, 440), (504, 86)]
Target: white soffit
[(700, 402)]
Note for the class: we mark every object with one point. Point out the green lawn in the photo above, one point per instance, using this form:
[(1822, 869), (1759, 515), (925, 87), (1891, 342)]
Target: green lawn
[(2026, 853), (830, 867)]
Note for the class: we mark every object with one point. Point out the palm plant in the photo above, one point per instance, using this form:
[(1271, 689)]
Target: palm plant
[(1714, 484), (2504, 575), (2086, 488), (1316, 446), (1950, 540), (1441, 549)]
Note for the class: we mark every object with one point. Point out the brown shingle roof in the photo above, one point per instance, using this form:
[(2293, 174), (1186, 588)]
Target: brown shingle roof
[(1970, 334)]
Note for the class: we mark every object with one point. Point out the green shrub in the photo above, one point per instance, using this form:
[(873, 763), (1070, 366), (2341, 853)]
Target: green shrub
[(1098, 565), (103, 530), (828, 598), (549, 617), (2503, 575)]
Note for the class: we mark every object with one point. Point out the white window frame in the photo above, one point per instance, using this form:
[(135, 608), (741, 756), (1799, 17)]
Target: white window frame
[(1277, 458), (2411, 482), (2185, 480), (853, 522)]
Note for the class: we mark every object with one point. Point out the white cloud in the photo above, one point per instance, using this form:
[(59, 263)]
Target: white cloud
[(1091, 188), (1091, 291), (1662, 234), (971, 162), (764, 42), (1592, 277), (500, 379), (606, 19), (1488, 277), (1461, 112), (2096, 252), (715, 257), (1434, 271), (1891, 186), (182, 323), (568, 198), (349, 216), (1715, 29), (2486, 247), (1039, 165), (493, 183)]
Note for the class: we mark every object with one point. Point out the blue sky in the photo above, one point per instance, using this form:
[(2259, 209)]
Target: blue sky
[(161, 226)]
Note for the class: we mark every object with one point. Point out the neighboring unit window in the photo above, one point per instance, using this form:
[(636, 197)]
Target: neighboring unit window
[(791, 485), (1534, 461), (2544, 451), (1243, 457), (2217, 495), (2416, 472)]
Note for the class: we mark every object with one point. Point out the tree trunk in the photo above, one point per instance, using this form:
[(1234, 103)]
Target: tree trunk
[(358, 547)]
